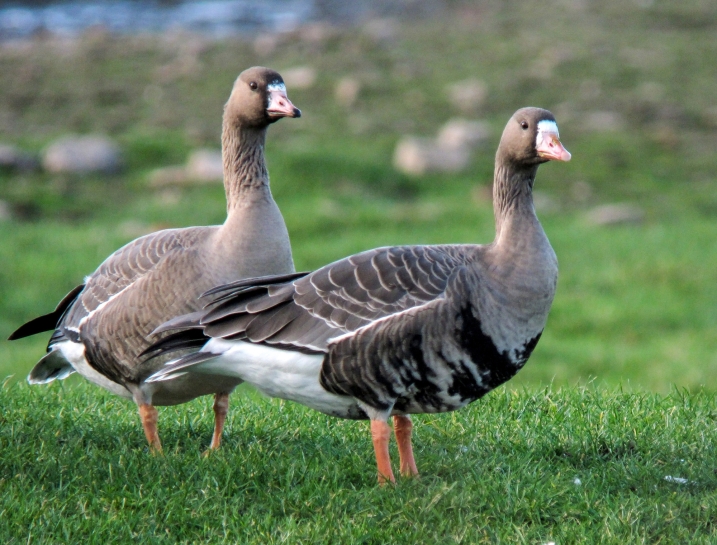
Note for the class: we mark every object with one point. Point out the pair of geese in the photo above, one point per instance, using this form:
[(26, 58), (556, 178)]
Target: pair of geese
[(385, 333)]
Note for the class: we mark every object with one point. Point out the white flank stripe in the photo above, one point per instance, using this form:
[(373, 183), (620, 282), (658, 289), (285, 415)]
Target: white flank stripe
[(75, 354), (339, 338), (102, 305), (285, 374)]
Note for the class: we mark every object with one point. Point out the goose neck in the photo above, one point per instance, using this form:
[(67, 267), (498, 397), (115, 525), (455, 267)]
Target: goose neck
[(246, 177), (513, 201)]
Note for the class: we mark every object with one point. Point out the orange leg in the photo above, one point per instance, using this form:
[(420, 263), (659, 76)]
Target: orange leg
[(221, 407), (402, 427), (381, 433), (148, 414)]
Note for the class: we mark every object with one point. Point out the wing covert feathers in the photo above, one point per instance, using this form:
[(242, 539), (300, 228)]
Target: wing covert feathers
[(305, 311)]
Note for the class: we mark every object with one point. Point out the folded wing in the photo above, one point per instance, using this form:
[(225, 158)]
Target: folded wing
[(307, 311)]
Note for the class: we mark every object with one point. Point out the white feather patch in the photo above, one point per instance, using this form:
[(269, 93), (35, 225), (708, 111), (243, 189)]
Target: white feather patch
[(75, 354), (342, 336), (285, 374), (545, 127), (548, 126), (102, 305), (276, 87)]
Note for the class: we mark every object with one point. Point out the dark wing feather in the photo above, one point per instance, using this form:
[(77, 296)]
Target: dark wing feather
[(267, 324), (176, 368), (229, 305), (184, 321), (256, 281), (47, 322), (182, 340), (230, 326)]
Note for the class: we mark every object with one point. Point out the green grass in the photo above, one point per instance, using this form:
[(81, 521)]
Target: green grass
[(572, 465)]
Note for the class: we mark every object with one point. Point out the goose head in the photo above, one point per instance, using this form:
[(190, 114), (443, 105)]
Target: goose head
[(530, 138), (258, 99)]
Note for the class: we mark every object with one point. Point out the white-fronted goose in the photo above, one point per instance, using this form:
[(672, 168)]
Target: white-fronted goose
[(102, 326), (394, 331)]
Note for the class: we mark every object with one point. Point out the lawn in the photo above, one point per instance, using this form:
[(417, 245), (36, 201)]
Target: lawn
[(619, 393), (574, 465)]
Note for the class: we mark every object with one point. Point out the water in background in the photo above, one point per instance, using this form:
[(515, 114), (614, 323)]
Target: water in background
[(212, 17)]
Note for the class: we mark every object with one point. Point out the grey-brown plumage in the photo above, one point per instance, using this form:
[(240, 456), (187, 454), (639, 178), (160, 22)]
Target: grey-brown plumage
[(394, 331), (103, 326)]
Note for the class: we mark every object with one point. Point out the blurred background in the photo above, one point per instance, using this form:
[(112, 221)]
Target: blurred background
[(110, 118)]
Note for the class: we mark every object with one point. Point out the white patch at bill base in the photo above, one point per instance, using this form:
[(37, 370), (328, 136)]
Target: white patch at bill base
[(548, 126), (545, 127), (276, 87)]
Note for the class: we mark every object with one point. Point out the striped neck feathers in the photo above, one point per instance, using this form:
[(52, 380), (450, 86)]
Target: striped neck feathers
[(245, 174), (513, 197)]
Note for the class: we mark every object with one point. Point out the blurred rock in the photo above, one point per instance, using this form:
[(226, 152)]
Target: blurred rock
[(134, 228), (153, 94), (168, 197), (651, 91), (544, 64), (615, 214), (186, 50), (665, 135), (165, 176), (330, 208), (82, 155), (418, 156), (266, 44), (415, 98), (581, 192), (382, 30), (5, 211), (604, 121), (590, 89), (317, 33), (545, 203), (347, 91), (482, 194), (359, 123), (468, 96), (300, 77), (709, 116), (14, 159), (459, 133), (642, 58), (205, 165), (450, 151)]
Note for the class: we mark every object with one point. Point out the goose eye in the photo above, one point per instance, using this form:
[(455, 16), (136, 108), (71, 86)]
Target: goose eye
[(253, 86), (524, 124)]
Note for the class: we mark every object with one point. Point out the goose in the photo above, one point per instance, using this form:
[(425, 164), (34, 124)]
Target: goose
[(103, 325), (392, 331)]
